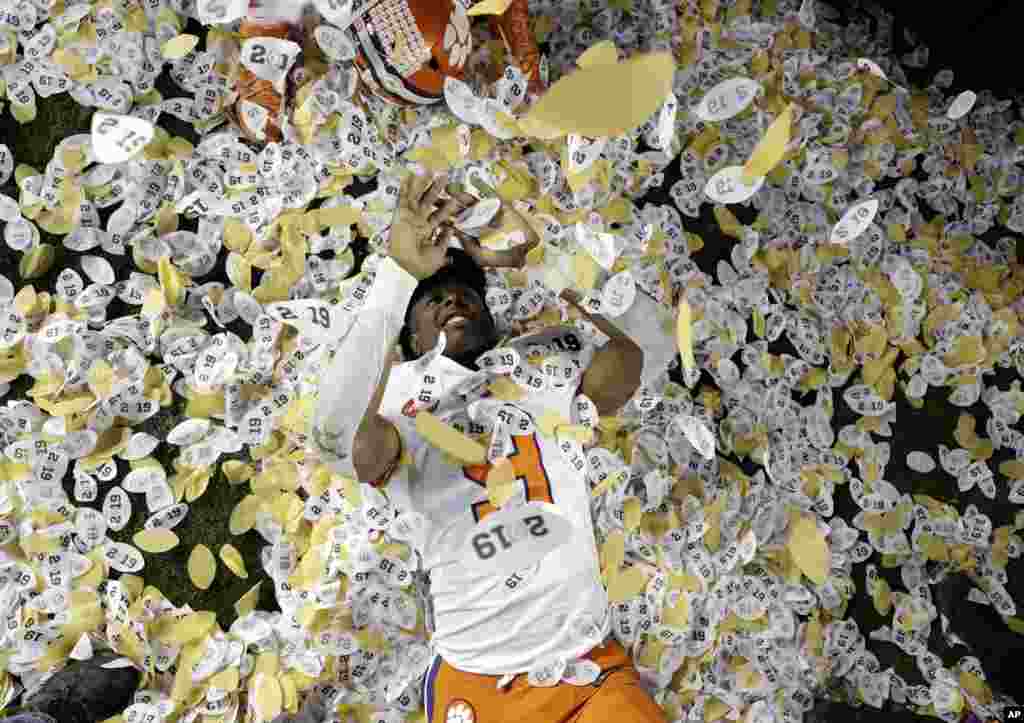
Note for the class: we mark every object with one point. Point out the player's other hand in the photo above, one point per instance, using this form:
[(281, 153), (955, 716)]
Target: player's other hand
[(507, 219), (418, 242)]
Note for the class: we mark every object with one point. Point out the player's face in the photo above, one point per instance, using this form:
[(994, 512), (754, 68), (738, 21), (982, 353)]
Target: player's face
[(459, 311)]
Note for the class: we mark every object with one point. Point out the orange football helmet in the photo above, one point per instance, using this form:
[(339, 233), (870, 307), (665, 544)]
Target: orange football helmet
[(406, 48)]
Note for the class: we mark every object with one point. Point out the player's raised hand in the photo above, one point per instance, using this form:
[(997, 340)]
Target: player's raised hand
[(507, 218), (418, 242)]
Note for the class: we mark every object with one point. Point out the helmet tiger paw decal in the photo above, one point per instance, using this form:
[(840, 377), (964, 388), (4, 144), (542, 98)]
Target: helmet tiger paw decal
[(459, 711)]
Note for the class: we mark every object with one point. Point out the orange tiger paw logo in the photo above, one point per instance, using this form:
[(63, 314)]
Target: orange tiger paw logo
[(459, 711)]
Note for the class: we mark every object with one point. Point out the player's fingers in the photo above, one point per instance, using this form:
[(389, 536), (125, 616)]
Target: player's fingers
[(407, 191), (449, 209), (431, 195), (416, 189), (462, 197)]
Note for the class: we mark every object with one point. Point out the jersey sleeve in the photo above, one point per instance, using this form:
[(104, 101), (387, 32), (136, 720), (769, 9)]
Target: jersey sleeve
[(398, 396)]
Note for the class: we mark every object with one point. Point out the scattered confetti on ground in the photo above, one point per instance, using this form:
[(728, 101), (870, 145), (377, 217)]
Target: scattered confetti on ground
[(778, 510)]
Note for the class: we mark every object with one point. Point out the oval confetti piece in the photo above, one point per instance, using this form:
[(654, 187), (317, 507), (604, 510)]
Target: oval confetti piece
[(37, 261), (140, 445), (243, 517), (489, 7), (98, 269), (806, 543), (140, 481), (728, 186), (247, 603), (449, 439), (770, 149), (479, 214), (626, 584), (684, 336), (962, 105), (124, 558), (501, 482), (117, 138), (528, 533), (268, 695), (727, 99), (698, 434), (117, 508), (202, 567), (602, 53), (920, 462), (155, 540), (854, 222), (179, 46), (334, 43), (232, 559), (577, 103), (188, 432)]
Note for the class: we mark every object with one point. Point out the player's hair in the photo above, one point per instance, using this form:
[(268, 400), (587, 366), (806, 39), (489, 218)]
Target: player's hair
[(460, 268)]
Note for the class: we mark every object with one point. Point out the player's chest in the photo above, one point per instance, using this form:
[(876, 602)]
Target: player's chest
[(455, 497)]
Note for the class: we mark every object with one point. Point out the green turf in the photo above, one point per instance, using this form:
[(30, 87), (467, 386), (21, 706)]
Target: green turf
[(207, 522)]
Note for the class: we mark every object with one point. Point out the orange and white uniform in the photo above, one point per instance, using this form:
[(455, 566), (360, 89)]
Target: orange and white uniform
[(486, 626), (501, 624)]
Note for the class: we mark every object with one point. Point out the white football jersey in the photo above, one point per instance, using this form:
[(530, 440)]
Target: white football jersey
[(489, 623)]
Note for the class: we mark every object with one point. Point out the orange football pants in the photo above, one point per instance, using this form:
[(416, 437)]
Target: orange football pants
[(616, 695)]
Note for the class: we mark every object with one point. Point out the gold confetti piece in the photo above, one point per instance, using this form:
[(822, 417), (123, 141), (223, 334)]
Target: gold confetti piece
[(449, 440), (677, 615), (289, 691), (202, 567), (549, 422), (227, 679), (501, 482), (806, 543), (37, 261), (602, 53), (684, 336), (489, 7), (338, 216), (247, 603), (237, 471), (770, 149), (179, 46), (577, 103), (156, 540), (187, 629), (881, 596), (613, 551), (170, 281), (268, 696), (626, 584), (232, 558), (632, 512)]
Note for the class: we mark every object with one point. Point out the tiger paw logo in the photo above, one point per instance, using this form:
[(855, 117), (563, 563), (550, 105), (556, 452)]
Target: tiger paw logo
[(459, 711)]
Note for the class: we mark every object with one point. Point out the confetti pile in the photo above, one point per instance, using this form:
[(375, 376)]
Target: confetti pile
[(872, 249)]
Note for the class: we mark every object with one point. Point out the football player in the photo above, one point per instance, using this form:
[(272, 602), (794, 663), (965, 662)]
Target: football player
[(525, 644)]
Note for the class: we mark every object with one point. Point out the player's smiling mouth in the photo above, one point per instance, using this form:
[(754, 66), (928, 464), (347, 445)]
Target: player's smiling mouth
[(454, 320)]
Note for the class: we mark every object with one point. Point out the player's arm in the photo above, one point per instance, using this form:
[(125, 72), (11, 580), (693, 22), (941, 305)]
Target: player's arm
[(378, 446), (615, 370), (353, 385), (377, 451)]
